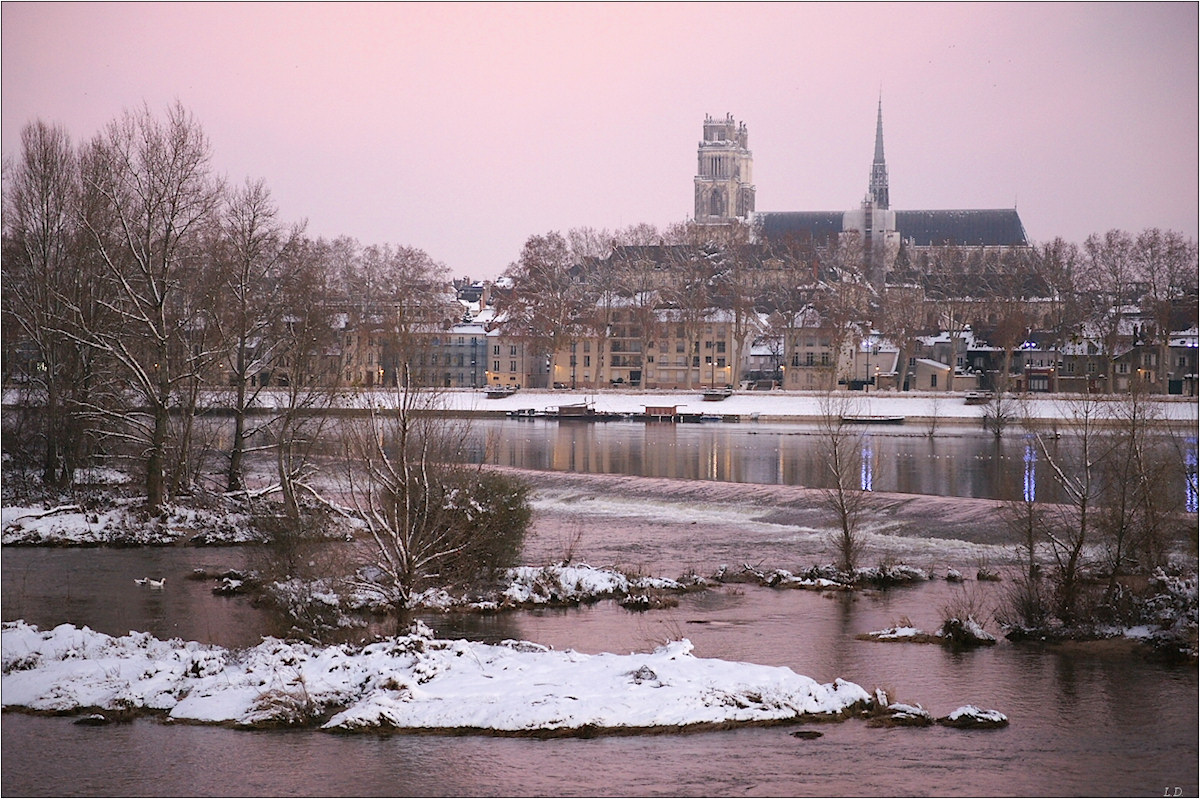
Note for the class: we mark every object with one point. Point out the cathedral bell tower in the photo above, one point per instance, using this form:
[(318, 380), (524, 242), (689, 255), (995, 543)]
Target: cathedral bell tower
[(724, 173)]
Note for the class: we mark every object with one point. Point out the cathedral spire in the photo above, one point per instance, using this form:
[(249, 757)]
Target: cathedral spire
[(879, 180)]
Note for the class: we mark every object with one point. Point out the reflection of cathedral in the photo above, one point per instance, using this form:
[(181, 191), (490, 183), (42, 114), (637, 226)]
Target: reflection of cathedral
[(724, 193)]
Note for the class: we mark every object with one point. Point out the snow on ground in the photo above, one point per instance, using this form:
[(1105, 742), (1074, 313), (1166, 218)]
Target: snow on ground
[(774, 405), (407, 682), (954, 631), (121, 520), (556, 585)]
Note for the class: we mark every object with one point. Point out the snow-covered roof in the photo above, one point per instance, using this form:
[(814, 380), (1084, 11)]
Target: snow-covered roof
[(710, 315), (932, 364), (468, 329), (875, 342), (1185, 338), (765, 347)]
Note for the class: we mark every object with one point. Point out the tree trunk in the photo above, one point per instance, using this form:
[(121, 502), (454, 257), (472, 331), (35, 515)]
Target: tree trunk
[(236, 480), (156, 459)]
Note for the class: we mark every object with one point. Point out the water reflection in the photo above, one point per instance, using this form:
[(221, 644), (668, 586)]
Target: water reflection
[(1030, 488), (867, 477), (963, 463), (1189, 477)]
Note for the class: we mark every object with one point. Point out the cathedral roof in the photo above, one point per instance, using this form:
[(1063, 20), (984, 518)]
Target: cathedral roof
[(988, 228), (777, 225)]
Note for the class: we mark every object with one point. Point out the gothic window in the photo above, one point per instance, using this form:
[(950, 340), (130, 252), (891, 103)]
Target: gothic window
[(716, 203)]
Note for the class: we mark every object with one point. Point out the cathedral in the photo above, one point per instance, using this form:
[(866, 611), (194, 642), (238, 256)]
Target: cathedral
[(725, 193)]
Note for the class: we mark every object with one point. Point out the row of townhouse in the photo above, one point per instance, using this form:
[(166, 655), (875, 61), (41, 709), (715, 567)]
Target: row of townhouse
[(677, 351), (811, 355), (1082, 365), (671, 348)]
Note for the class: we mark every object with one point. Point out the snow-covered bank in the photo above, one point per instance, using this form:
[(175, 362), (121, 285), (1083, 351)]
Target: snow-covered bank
[(112, 519), (413, 682), (916, 407)]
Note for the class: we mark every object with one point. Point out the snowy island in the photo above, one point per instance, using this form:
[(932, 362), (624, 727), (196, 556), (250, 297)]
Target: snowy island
[(414, 682)]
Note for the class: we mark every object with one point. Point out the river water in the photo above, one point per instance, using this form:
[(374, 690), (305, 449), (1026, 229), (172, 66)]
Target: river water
[(957, 462), (1091, 720)]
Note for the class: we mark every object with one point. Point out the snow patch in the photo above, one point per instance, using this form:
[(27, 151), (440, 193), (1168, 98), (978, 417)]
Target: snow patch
[(408, 682)]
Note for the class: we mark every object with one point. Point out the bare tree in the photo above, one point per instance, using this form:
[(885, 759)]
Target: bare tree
[(546, 300), (1106, 284), (422, 508), (254, 273), (1136, 517), (50, 288), (1074, 466), (840, 448), (900, 318), (1057, 266), (948, 291), (1166, 263), (638, 275), (737, 288), (843, 302), (153, 190), (308, 367)]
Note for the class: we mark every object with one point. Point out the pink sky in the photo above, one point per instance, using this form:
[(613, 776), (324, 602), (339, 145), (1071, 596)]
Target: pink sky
[(463, 129)]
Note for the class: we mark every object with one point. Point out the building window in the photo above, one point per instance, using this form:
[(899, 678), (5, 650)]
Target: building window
[(933, 380), (495, 366), (587, 360), (512, 366), (495, 349)]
